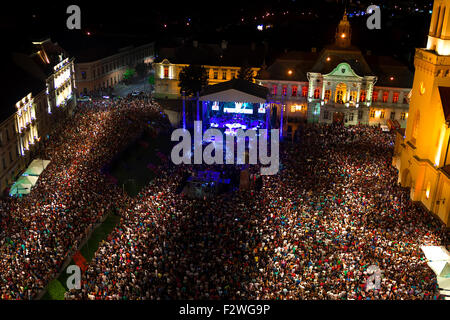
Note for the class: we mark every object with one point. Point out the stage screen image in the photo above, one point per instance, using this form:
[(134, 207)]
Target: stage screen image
[(232, 116)]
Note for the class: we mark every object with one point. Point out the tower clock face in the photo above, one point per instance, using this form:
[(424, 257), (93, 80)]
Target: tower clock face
[(422, 89)]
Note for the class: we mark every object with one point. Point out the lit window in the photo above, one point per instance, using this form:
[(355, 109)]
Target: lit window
[(274, 89), (327, 95), (362, 97), (296, 108), (284, 92), (395, 97), (224, 75), (316, 93), (385, 96), (372, 113), (166, 72), (381, 114), (403, 116), (304, 91), (375, 96), (294, 91), (216, 75)]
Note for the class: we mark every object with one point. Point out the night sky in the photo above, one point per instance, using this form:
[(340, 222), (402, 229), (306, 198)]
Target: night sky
[(297, 25)]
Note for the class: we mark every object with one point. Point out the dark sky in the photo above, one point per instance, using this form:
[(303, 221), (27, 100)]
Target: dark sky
[(216, 20)]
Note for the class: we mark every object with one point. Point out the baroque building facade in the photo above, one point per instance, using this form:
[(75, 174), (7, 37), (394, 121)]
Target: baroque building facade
[(339, 84)]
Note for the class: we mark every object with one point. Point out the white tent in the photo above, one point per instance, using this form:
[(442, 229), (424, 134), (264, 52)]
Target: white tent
[(438, 259), (36, 167)]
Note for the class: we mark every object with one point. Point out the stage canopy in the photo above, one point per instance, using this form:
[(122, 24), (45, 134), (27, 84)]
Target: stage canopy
[(235, 90), (29, 178)]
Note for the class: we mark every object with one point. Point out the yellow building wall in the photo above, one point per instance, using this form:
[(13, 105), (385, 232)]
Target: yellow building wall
[(420, 155), (168, 87)]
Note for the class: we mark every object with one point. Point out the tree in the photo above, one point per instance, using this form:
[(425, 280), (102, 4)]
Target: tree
[(193, 79), (128, 75), (245, 73)]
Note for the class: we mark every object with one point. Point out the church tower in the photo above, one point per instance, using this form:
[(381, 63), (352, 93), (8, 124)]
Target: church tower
[(344, 33), (422, 152)]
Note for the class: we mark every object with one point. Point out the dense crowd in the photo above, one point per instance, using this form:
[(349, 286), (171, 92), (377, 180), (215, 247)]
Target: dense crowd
[(40, 230), (312, 232)]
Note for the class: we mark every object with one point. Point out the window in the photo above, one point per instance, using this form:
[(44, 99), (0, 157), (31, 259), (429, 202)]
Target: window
[(327, 95), (233, 74), (316, 93), (353, 95), (294, 91), (284, 92), (166, 72), (372, 113), (304, 91), (403, 116), (326, 114), (83, 75), (350, 117), (395, 97), (274, 89), (224, 75), (362, 97), (360, 114), (375, 96), (216, 75), (382, 115), (339, 96), (385, 96), (392, 115)]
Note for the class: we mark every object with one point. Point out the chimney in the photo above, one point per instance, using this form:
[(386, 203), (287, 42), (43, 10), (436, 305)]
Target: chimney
[(313, 49), (224, 44), (195, 43)]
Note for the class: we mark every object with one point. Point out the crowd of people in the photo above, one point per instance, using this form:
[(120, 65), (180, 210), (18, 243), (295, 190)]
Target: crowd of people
[(313, 231), (39, 231)]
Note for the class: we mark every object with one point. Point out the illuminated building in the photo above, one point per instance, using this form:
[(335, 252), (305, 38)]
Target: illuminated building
[(26, 125), (104, 67), (339, 84), (421, 151), (222, 64), (37, 95)]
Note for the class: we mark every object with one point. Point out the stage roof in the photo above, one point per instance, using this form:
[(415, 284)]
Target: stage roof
[(235, 90)]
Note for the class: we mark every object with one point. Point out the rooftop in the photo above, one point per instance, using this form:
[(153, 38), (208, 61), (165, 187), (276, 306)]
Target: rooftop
[(245, 86)]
